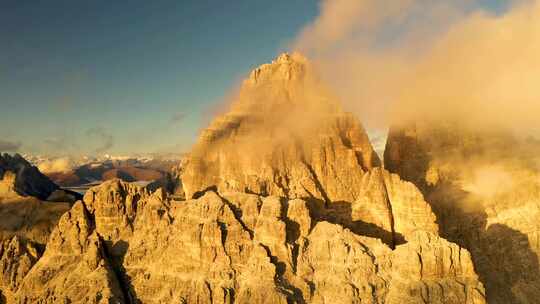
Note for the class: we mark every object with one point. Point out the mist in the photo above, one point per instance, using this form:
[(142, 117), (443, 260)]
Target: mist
[(397, 61), (62, 164), (434, 62)]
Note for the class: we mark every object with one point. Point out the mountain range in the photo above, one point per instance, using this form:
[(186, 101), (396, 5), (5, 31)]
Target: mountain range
[(284, 200), (81, 173)]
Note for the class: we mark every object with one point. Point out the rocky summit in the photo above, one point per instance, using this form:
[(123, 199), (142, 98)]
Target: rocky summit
[(285, 201), (284, 135)]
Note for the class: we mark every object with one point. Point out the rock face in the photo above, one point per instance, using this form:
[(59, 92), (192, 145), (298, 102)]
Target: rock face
[(285, 135), (286, 203), (16, 259), (114, 206), (428, 269), (22, 210), (484, 188), (29, 218), (127, 245), (238, 248), (25, 179), (74, 267)]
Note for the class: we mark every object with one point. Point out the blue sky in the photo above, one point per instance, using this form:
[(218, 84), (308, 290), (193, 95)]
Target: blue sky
[(129, 67), (131, 76)]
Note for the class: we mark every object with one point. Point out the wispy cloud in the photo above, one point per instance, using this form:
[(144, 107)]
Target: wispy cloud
[(378, 141), (411, 59), (104, 138), (60, 145), (178, 117), (62, 164), (55, 143), (6, 145)]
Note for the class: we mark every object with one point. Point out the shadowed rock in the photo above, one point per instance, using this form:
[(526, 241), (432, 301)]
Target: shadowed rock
[(483, 186), (244, 248), (24, 178), (74, 268)]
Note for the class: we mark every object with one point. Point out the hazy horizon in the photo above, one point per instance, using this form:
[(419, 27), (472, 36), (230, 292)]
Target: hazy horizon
[(131, 77)]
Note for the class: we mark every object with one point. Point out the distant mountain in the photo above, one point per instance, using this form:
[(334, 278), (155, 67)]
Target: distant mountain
[(30, 203), (25, 179), (68, 172)]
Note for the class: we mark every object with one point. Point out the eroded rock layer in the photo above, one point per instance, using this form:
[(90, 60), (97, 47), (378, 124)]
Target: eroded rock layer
[(16, 259), (239, 248), (74, 267), (228, 248), (284, 135)]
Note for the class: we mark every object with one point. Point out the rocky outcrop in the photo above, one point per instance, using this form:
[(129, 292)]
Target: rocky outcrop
[(285, 135), (29, 218), (74, 267), (244, 248), (428, 269), (387, 208), (484, 188), (23, 212), (16, 174), (114, 206), (16, 259), (127, 245)]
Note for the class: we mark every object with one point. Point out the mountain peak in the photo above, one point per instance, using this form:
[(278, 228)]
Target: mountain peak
[(288, 82), (24, 178), (284, 68), (293, 135), (291, 57)]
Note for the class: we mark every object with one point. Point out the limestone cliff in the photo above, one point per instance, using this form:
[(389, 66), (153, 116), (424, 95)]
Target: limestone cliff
[(74, 267), (484, 187), (16, 259), (284, 135), (242, 248), (125, 244)]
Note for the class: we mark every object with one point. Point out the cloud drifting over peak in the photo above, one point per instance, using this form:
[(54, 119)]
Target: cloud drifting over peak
[(411, 59), (341, 19)]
